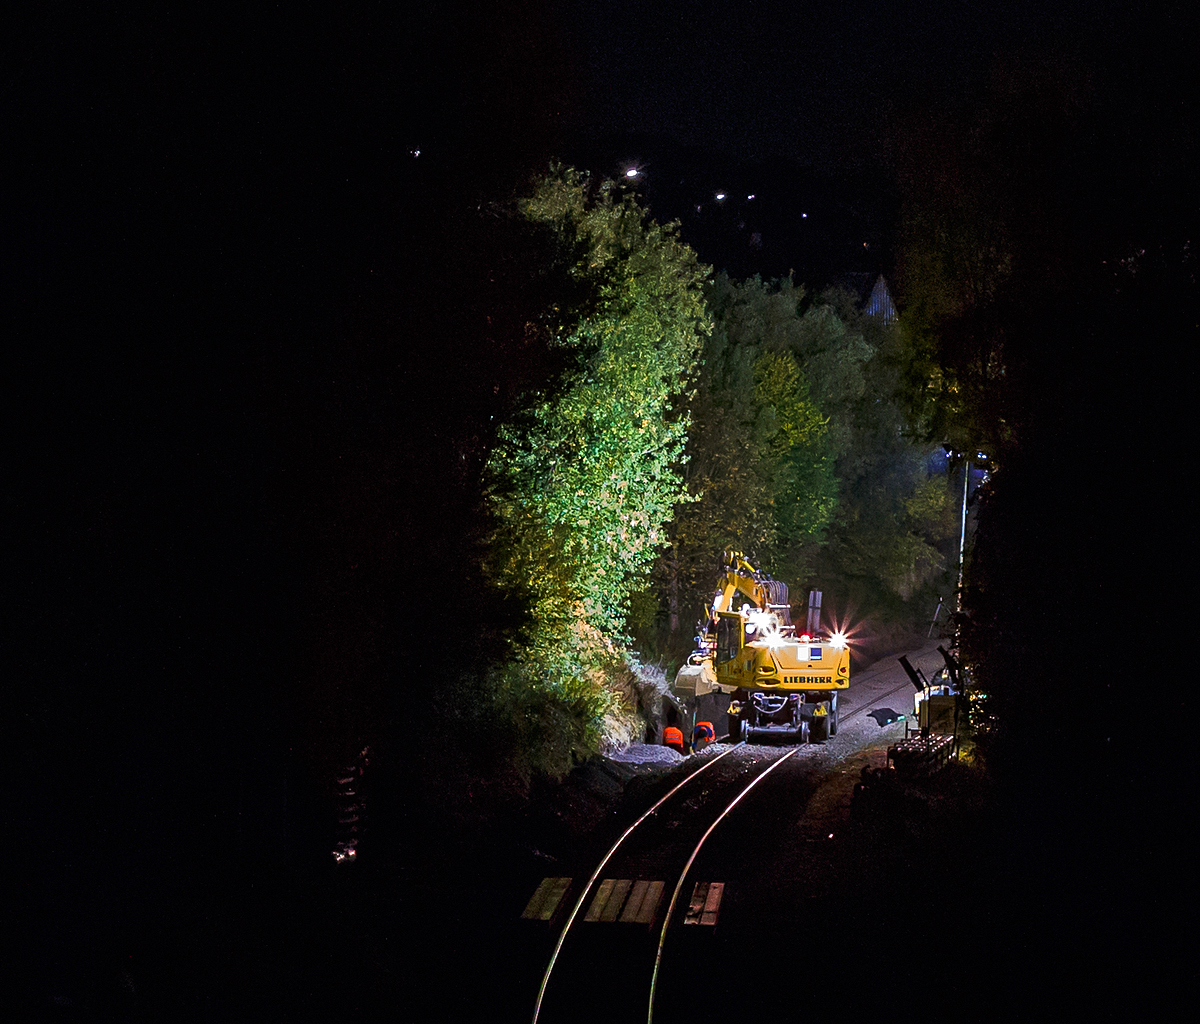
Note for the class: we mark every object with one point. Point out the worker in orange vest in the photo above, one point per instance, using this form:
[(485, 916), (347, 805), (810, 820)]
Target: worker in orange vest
[(702, 735), (673, 738)]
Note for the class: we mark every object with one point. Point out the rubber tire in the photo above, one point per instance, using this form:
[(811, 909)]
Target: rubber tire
[(833, 714)]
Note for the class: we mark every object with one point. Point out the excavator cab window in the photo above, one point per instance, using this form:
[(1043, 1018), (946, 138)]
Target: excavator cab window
[(729, 638)]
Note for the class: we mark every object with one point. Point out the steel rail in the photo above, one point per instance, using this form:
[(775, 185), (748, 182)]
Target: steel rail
[(902, 687), (662, 938), (687, 867), (604, 862)]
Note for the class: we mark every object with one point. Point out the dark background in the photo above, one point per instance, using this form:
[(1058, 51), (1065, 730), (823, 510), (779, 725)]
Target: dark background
[(245, 400)]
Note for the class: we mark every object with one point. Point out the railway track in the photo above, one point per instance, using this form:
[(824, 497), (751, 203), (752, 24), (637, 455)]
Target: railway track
[(646, 878)]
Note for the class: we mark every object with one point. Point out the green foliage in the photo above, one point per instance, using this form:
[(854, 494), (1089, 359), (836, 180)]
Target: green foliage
[(585, 477), (546, 730), (518, 730), (760, 455), (895, 525), (675, 424), (931, 509), (804, 453), (800, 463)]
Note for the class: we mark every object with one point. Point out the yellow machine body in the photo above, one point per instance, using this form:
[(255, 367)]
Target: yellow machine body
[(748, 649), (779, 663)]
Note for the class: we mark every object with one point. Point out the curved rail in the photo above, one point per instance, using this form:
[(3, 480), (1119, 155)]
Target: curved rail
[(662, 938), (686, 868), (604, 862)]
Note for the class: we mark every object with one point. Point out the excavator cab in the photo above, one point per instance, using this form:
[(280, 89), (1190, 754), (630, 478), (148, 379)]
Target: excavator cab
[(731, 636)]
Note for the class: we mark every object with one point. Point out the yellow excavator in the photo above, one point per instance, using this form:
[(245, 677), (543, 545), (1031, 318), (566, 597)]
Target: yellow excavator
[(780, 684)]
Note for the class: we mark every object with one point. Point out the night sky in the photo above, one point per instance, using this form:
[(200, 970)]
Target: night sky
[(246, 261)]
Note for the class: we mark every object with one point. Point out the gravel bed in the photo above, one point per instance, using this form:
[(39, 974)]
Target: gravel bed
[(645, 753)]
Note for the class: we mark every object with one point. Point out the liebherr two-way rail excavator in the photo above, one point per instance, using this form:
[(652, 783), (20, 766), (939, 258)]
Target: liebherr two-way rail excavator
[(780, 683)]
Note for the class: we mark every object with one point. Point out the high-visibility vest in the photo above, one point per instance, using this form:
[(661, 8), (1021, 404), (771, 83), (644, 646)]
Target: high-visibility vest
[(703, 733), (673, 737)]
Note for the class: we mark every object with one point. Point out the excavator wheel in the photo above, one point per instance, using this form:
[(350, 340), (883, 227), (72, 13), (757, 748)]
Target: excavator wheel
[(833, 714)]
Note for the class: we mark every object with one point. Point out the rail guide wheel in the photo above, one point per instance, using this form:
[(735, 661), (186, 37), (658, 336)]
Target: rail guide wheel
[(737, 728)]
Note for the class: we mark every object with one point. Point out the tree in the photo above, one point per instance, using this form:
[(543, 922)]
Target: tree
[(804, 454), (760, 461), (896, 517), (585, 476)]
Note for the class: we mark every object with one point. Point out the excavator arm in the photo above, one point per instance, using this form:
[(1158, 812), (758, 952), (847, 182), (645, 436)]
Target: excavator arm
[(740, 577)]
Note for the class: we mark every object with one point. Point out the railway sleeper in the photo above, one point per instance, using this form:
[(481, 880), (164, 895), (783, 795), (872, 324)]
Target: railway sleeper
[(921, 755)]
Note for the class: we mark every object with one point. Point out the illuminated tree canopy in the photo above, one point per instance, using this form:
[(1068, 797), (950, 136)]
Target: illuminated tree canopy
[(681, 416), (760, 457), (802, 454), (585, 477)]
